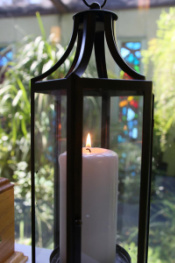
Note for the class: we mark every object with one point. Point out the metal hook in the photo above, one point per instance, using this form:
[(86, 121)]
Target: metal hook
[(89, 5)]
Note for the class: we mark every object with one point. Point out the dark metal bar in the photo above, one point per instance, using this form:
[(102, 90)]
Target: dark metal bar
[(86, 45), (33, 169), (150, 181), (100, 55), (145, 178), (56, 170), (77, 54), (104, 3), (102, 73), (65, 55), (74, 170), (105, 118), (109, 32)]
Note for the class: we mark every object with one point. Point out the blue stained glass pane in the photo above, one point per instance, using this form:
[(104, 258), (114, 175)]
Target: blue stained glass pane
[(9, 55), (121, 139), (130, 58), (130, 124), (135, 122), (130, 115), (124, 155), (124, 52), (4, 60), (130, 134), (124, 110), (136, 61), (50, 148), (138, 54), (133, 45), (135, 133)]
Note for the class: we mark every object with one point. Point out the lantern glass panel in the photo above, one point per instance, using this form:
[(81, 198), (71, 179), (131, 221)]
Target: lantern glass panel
[(126, 139), (110, 206), (50, 142), (91, 116)]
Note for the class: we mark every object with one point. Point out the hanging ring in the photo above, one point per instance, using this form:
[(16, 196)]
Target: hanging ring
[(101, 6)]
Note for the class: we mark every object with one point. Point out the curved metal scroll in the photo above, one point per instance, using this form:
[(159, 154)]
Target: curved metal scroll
[(85, 51), (77, 53), (65, 55), (109, 32), (100, 55)]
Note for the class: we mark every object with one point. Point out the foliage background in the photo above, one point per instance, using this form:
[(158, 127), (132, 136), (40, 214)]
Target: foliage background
[(159, 62), (160, 57), (33, 56)]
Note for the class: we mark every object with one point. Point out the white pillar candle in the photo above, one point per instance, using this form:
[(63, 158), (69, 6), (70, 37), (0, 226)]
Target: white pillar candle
[(99, 205)]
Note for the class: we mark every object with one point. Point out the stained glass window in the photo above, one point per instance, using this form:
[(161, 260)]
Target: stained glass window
[(128, 116), (131, 52), (5, 56), (128, 106)]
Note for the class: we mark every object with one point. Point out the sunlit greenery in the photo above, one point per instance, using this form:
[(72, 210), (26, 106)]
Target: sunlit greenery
[(160, 59), (159, 62), (33, 56)]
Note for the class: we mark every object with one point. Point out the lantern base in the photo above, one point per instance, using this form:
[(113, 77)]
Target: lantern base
[(122, 255)]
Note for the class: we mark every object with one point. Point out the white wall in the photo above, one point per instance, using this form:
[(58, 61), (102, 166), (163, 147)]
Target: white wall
[(14, 29), (131, 23)]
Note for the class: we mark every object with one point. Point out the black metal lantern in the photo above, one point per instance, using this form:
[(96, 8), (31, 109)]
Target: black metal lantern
[(82, 187)]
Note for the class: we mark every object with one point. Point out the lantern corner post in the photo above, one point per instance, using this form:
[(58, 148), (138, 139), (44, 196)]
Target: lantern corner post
[(33, 168), (146, 172), (74, 168)]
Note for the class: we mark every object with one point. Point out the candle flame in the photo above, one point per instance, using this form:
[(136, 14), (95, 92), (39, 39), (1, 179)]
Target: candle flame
[(88, 140)]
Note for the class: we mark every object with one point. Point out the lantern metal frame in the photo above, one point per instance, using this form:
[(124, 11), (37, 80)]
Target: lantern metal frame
[(90, 29)]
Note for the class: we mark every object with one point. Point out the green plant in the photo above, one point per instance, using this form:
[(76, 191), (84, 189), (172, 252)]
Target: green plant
[(162, 226), (160, 58), (33, 56), (153, 254)]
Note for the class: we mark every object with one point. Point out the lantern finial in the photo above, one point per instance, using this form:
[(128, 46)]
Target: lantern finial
[(95, 5)]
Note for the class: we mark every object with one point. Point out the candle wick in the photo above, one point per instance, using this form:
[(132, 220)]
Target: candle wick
[(88, 150)]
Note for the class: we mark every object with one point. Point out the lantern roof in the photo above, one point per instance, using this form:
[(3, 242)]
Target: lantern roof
[(91, 29), (10, 8)]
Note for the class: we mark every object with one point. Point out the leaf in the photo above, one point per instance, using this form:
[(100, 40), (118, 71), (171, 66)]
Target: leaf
[(40, 23), (160, 56), (24, 95), (17, 98), (23, 127), (47, 66)]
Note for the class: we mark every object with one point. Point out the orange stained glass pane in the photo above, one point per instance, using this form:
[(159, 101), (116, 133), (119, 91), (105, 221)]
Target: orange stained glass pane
[(123, 103)]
